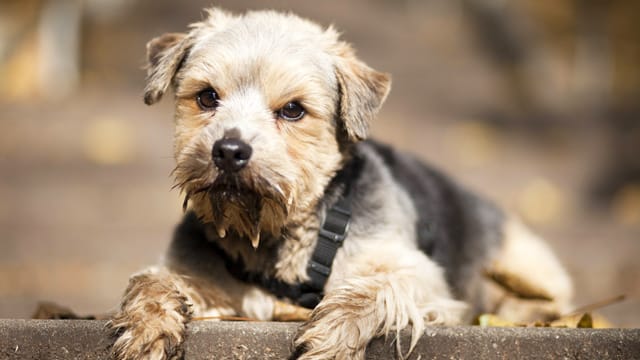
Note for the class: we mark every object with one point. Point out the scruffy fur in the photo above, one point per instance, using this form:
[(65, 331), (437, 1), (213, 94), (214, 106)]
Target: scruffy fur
[(417, 245)]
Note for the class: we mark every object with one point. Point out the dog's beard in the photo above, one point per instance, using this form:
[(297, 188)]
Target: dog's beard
[(248, 205)]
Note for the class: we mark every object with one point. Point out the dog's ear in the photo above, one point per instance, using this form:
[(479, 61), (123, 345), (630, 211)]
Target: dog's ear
[(164, 56), (166, 53), (362, 92), (157, 46)]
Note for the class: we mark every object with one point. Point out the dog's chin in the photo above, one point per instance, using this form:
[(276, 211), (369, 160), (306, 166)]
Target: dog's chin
[(248, 206)]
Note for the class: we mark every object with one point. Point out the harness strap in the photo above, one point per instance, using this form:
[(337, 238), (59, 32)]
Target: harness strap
[(331, 236)]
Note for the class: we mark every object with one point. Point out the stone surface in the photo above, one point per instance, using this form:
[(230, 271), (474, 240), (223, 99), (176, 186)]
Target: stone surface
[(86, 339)]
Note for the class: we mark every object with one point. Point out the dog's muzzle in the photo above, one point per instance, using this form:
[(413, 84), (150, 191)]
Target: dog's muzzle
[(231, 155)]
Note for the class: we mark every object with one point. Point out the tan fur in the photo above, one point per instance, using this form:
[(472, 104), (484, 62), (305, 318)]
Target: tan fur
[(260, 82), (380, 282), (157, 46), (160, 301), (363, 91), (527, 259), (385, 289), (156, 307), (253, 81)]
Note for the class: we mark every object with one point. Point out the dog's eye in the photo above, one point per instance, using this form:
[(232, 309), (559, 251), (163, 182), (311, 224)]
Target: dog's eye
[(292, 111), (207, 99)]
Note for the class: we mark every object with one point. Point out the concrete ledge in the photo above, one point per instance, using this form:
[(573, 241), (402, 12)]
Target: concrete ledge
[(87, 339)]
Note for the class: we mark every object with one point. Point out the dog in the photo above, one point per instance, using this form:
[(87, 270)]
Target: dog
[(287, 201)]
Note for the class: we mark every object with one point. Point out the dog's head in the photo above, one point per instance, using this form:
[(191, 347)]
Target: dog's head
[(266, 103)]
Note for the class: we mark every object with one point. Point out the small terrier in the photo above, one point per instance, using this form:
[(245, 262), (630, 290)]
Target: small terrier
[(288, 202)]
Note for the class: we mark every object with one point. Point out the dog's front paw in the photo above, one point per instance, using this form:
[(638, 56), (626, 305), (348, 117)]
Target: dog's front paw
[(151, 345), (152, 333), (334, 331), (152, 321), (314, 344)]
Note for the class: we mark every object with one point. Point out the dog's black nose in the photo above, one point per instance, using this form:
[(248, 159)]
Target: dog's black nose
[(231, 154)]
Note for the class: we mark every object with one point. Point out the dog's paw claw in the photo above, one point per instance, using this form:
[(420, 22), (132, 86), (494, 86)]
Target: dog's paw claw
[(163, 347), (140, 341), (298, 351)]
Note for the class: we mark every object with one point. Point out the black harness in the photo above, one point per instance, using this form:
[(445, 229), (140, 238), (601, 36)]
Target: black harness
[(331, 235)]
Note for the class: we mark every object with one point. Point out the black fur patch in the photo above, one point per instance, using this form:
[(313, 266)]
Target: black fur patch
[(454, 227)]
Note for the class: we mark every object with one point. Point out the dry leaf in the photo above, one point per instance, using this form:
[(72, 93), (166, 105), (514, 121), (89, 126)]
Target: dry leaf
[(586, 321), (491, 320)]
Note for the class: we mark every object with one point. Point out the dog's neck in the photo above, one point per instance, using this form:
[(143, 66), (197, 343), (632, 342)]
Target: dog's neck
[(291, 256)]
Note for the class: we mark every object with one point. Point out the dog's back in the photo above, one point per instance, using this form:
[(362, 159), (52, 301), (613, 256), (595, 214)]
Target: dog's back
[(473, 240), (456, 228)]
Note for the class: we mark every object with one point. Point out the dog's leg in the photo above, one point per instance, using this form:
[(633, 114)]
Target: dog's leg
[(154, 311), (384, 289), (530, 262)]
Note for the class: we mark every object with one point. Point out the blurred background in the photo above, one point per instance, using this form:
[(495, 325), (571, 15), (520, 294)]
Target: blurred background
[(535, 103)]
